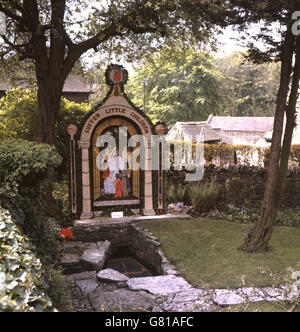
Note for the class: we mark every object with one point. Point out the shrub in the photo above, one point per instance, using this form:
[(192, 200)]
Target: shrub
[(69, 112), (18, 119), (295, 154), (61, 196), (204, 196), (288, 217), (175, 194), (18, 114), (171, 193), (22, 285), (240, 215), (181, 190), (27, 163), (24, 166)]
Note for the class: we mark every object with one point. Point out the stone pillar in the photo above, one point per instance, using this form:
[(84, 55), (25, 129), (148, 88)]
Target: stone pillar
[(148, 198), (86, 185)]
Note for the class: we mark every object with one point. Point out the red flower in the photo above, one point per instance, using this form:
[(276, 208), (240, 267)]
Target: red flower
[(66, 234)]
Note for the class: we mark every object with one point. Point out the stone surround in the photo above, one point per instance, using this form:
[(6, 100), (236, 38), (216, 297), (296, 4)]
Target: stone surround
[(108, 290), (85, 252)]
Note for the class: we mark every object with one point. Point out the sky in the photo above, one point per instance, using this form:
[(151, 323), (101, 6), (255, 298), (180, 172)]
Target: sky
[(229, 43)]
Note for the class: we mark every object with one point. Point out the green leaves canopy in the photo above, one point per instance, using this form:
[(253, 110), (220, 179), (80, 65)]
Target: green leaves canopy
[(252, 87), (181, 85)]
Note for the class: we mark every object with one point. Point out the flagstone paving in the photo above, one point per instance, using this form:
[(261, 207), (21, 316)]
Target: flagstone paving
[(164, 293)]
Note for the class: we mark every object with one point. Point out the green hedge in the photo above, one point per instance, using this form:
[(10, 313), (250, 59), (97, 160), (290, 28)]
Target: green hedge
[(26, 162), (245, 154), (22, 287)]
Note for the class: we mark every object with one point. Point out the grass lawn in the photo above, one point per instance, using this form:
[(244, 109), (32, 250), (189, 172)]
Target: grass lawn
[(205, 252)]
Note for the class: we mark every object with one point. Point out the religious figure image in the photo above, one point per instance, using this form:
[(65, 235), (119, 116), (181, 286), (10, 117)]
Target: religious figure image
[(119, 186), (118, 180), (112, 175)]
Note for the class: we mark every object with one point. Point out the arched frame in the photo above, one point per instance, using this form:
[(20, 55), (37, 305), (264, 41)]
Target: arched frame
[(114, 106), (117, 121)]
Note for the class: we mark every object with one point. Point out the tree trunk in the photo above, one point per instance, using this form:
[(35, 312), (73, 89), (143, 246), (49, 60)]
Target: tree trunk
[(291, 115), (49, 98), (258, 238)]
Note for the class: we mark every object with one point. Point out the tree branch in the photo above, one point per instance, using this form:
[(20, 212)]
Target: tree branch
[(10, 14), (30, 15)]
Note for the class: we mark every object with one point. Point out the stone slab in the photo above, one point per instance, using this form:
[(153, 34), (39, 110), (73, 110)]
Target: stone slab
[(227, 297), (110, 275), (69, 260), (119, 300), (192, 300), (90, 275), (92, 260), (160, 285), (87, 286)]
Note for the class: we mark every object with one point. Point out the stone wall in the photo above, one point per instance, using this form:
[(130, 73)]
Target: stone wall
[(253, 175), (147, 248), (116, 232), (126, 234)]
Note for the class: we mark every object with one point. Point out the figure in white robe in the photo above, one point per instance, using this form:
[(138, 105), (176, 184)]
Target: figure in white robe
[(115, 165)]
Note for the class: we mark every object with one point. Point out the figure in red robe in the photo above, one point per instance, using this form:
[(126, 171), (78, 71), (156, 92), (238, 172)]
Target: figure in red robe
[(119, 186)]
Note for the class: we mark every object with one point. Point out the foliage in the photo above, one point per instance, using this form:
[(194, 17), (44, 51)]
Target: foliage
[(21, 161), (18, 117), (115, 27), (22, 285), (175, 194), (171, 193), (61, 195), (204, 196), (181, 85), (24, 166), (223, 154), (59, 288), (18, 114), (240, 214), (181, 190), (134, 26), (288, 217), (252, 87), (295, 155), (248, 214), (69, 113), (227, 154), (18, 110), (188, 85), (286, 48)]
